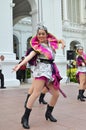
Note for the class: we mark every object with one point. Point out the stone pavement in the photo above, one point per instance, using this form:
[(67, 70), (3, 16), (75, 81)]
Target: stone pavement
[(70, 113)]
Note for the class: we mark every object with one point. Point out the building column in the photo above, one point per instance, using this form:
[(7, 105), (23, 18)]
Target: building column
[(34, 20), (53, 20), (60, 55), (82, 11), (65, 13), (6, 41), (40, 11), (37, 15)]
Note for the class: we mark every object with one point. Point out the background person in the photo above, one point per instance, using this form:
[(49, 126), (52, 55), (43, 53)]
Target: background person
[(1, 74), (21, 73)]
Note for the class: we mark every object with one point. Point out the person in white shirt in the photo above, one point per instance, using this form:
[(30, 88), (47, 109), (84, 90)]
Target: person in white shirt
[(1, 74)]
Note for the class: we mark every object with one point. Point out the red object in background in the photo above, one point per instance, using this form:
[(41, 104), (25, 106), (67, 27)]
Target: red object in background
[(23, 67)]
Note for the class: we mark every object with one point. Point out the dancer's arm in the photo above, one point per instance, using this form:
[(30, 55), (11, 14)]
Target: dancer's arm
[(27, 59), (63, 43)]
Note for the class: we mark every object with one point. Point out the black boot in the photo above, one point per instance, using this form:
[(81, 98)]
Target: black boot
[(25, 104), (83, 93), (80, 96), (41, 99), (25, 118), (48, 114)]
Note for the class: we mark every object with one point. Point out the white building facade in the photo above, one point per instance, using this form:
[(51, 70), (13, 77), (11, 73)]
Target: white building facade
[(66, 19)]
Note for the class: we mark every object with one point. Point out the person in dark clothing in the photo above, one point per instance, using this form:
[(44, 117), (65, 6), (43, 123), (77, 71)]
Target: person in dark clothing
[(21, 73), (1, 74)]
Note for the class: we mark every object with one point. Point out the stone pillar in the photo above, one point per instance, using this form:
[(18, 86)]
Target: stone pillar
[(6, 31), (6, 43), (65, 15), (34, 14), (40, 11), (37, 15), (34, 18), (82, 11), (53, 20)]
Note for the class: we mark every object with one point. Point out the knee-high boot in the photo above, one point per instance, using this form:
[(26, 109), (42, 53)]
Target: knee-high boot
[(83, 93), (48, 114), (41, 99), (25, 118), (80, 96), (25, 104)]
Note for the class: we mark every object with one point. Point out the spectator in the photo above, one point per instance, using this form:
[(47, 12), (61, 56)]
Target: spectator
[(1, 74), (21, 73)]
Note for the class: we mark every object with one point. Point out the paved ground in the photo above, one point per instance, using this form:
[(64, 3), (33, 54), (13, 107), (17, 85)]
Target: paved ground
[(70, 112)]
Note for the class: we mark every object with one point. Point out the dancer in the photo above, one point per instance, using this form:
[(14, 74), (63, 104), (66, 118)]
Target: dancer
[(45, 72), (81, 72)]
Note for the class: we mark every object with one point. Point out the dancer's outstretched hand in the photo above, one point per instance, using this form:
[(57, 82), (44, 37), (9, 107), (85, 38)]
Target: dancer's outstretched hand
[(16, 68)]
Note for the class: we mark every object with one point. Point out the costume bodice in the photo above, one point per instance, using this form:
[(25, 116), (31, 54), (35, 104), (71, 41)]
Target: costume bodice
[(49, 48)]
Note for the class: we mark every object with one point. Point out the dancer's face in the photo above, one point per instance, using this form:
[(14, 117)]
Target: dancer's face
[(42, 36), (80, 51)]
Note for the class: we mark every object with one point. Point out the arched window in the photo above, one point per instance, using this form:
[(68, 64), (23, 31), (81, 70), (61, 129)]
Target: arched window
[(16, 46), (28, 42)]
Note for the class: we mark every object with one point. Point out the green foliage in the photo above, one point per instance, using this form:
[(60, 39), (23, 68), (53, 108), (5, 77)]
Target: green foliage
[(71, 73), (28, 73)]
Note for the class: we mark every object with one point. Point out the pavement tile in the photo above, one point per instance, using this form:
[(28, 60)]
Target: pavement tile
[(70, 113)]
